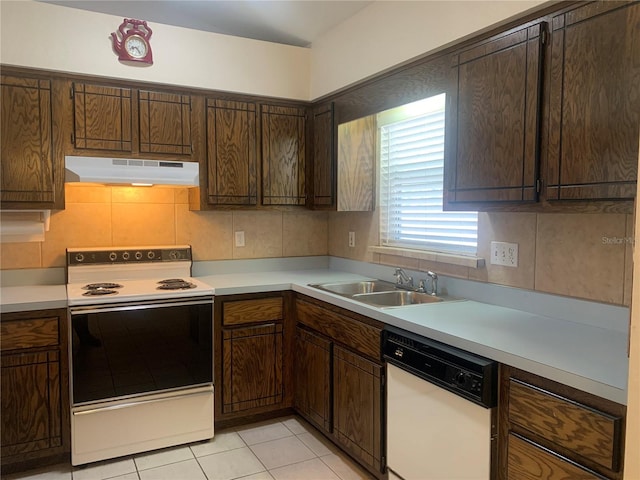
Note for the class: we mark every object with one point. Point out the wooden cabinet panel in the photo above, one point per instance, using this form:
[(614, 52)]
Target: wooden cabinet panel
[(313, 378), (586, 431), (594, 102), (231, 153), (324, 157), (252, 370), (165, 123), (31, 407), (27, 158), (357, 400), (283, 155), (356, 164), (352, 333), (37, 332), (528, 461), (34, 391), (550, 430), (102, 117), (494, 120), (251, 311)]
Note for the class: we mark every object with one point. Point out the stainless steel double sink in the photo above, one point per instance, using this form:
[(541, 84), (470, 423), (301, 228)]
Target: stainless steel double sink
[(380, 294)]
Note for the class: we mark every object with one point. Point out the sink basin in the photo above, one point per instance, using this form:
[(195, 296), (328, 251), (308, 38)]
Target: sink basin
[(397, 298), (350, 289)]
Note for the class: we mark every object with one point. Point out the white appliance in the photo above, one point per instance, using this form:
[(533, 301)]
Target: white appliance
[(440, 410), (141, 351)]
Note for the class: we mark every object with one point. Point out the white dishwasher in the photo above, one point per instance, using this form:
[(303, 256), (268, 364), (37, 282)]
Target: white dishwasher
[(441, 415)]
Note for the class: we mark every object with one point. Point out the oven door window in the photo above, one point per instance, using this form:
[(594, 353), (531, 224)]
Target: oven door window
[(140, 351)]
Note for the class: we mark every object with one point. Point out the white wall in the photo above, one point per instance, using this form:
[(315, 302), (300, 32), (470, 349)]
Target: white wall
[(40, 35), (386, 33)]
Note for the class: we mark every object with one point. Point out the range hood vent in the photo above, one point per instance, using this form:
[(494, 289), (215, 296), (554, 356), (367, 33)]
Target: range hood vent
[(131, 171)]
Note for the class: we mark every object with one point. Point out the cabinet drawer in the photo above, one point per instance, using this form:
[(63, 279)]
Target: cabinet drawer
[(528, 461), (36, 332), (251, 311), (588, 432), (359, 336)]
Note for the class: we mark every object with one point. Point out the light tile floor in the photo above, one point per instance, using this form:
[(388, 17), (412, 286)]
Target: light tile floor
[(286, 448)]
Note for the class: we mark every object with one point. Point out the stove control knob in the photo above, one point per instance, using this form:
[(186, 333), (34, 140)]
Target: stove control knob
[(138, 255), (113, 256), (151, 254), (460, 378), (79, 257), (125, 255), (174, 254)]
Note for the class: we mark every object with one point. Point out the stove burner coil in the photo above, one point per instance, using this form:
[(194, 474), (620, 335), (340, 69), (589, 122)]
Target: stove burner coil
[(176, 285), (169, 281), (101, 286), (96, 292)]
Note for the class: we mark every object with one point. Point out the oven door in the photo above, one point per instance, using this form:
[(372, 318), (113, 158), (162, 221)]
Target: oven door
[(130, 349), (142, 377)]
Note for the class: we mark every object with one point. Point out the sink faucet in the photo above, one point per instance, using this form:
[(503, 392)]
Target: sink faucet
[(434, 284), (403, 280)]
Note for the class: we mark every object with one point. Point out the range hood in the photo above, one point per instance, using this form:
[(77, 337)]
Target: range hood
[(130, 171)]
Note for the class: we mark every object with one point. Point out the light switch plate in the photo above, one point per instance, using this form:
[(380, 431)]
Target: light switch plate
[(504, 253), (240, 239), (352, 239)]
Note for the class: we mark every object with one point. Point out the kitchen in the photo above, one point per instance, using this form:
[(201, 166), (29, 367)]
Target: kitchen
[(552, 246)]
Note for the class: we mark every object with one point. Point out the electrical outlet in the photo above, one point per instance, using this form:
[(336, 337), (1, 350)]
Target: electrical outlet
[(352, 239), (240, 239), (504, 253)]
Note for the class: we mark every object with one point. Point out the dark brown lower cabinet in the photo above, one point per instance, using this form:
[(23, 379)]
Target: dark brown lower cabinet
[(339, 379), (357, 399), (34, 389), (313, 378), (555, 432), (252, 367)]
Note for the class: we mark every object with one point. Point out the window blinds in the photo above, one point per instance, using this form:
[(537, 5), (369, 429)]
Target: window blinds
[(411, 187)]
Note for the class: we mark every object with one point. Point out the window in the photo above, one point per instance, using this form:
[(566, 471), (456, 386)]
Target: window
[(411, 182)]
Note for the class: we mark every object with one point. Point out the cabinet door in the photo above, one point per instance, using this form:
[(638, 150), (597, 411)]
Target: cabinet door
[(594, 102), (528, 461), (324, 157), (102, 117), (313, 378), (27, 159), (356, 164), (357, 411), (31, 403), (283, 155), (231, 153), (252, 367), (165, 123), (494, 120)]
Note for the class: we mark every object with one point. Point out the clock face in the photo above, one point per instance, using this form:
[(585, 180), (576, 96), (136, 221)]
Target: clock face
[(136, 46)]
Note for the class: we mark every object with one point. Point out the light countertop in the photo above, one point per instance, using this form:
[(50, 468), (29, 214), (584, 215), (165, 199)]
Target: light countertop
[(583, 356), (589, 358), (32, 297)]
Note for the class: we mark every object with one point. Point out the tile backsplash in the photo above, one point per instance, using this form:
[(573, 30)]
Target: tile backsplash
[(578, 255), (103, 216)]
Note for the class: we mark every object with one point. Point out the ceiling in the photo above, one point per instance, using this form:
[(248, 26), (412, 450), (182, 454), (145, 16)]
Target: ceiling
[(292, 22)]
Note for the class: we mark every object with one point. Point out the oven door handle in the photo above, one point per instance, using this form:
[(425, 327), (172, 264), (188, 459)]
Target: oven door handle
[(124, 307), (206, 390)]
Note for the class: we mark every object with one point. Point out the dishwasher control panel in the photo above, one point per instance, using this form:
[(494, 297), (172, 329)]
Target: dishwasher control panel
[(468, 375)]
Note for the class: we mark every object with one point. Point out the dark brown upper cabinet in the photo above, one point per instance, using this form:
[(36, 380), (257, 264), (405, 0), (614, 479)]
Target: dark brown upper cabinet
[(283, 155), (101, 117), (324, 158), (30, 166), (165, 123), (494, 118), (594, 102), (231, 153)]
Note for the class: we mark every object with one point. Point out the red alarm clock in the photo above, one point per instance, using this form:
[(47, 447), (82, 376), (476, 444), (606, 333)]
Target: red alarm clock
[(133, 44)]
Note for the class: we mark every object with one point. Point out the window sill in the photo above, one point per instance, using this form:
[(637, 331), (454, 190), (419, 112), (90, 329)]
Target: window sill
[(432, 256)]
